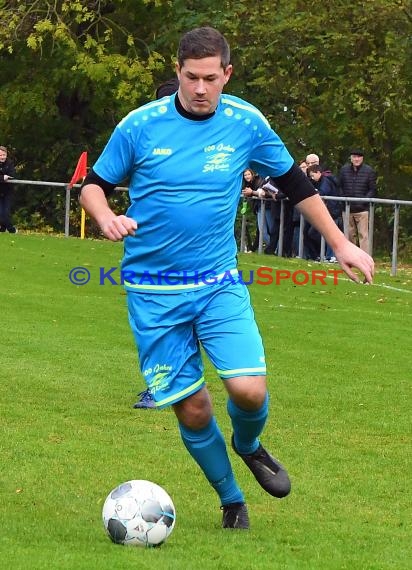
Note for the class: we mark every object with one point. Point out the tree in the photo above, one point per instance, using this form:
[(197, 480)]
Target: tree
[(328, 76), (71, 69)]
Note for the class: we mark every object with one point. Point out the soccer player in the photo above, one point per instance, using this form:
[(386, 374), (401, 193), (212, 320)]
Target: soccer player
[(184, 157)]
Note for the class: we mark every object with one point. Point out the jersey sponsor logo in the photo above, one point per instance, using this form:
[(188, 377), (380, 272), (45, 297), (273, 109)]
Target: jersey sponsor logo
[(218, 157), (218, 161), (162, 151)]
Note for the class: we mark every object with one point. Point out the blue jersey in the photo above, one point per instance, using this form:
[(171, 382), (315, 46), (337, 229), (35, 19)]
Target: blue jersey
[(185, 181)]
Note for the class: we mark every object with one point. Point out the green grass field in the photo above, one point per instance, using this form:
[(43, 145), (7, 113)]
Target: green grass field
[(339, 360)]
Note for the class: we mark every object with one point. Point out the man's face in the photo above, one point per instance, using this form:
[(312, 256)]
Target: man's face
[(201, 82), (356, 160), (3, 156), (312, 159)]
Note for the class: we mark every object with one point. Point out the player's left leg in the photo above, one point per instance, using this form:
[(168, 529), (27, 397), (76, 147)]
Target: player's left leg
[(248, 409), (230, 337)]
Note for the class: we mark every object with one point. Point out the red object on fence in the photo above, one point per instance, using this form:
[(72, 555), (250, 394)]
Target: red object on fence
[(80, 171)]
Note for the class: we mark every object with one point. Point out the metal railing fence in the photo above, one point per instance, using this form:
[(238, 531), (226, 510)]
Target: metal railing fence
[(345, 216), (397, 204)]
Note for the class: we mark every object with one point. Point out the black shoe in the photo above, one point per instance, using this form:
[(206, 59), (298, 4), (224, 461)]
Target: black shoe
[(267, 470), (235, 516), (12, 230), (2, 229), (146, 401)]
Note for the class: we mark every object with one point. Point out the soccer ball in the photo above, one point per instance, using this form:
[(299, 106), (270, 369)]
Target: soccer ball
[(139, 513)]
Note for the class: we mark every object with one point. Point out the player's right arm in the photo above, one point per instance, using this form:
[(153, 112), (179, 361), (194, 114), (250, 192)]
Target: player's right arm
[(113, 166), (94, 201)]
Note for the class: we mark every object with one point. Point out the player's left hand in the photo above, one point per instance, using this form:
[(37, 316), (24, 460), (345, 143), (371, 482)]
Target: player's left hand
[(352, 257)]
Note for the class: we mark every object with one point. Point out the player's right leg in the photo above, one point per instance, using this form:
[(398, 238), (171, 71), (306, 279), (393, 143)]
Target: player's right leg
[(231, 339), (205, 443)]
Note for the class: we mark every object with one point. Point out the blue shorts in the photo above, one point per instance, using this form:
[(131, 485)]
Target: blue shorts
[(170, 328)]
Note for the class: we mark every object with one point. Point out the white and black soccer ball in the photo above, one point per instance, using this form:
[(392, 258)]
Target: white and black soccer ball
[(139, 513)]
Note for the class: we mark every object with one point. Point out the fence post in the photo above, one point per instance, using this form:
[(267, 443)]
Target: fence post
[(322, 248), (281, 228), (346, 220), (301, 229), (243, 234), (371, 227), (262, 224), (395, 240), (67, 213)]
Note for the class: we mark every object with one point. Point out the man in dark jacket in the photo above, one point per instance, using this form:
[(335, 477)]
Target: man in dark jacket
[(6, 172), (358, 180)]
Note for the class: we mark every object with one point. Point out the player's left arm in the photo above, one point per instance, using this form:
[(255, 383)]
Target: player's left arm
[(302, 193), (348, 254)]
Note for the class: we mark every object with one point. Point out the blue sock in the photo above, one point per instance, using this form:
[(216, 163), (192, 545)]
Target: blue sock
[(208, 449), (247, 426)]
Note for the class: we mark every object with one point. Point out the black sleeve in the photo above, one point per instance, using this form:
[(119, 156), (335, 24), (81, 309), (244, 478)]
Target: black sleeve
[(93, 178), (295, 184), (8, 170)]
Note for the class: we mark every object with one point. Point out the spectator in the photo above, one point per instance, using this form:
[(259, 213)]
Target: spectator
[(275, 207), (314, 160), (325, 186), (311, 160), (358, 180), (251, 188), (7, 172), (303, 165)]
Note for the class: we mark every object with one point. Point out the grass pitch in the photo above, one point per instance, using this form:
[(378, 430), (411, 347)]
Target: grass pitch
[(339, 361)]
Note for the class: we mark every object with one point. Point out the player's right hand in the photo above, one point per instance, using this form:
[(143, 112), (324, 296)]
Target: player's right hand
[(119, 227)]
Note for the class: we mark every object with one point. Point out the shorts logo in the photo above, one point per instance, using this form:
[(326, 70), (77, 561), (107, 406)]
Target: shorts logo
[(159, 381)]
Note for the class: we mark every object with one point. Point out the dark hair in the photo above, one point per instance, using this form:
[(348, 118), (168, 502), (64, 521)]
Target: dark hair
[(167, 88), (314, 168), (203, 42)]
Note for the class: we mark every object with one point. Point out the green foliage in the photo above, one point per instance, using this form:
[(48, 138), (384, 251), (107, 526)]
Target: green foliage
[(328, 75), (70, 74)]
